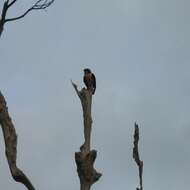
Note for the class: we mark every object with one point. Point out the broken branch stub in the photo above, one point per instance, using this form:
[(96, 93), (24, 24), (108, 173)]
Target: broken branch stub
[(10, 139), (85, 158)]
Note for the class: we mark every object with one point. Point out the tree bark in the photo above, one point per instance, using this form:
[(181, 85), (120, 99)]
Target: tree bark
[(10, 139), (85, 158)]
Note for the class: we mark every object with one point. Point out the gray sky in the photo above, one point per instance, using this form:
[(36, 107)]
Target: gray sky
[(139, 51)]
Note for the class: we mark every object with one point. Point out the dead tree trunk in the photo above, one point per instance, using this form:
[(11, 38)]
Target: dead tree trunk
[(136, 156), (85, 158), (10, 139)]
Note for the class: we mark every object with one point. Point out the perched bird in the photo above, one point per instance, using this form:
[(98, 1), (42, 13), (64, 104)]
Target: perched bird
[(89, 80)]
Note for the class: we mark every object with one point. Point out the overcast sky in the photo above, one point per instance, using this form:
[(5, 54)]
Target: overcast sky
[(139, 51)]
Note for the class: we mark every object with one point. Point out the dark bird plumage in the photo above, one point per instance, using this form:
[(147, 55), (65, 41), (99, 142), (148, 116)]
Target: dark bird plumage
[(89, 80)]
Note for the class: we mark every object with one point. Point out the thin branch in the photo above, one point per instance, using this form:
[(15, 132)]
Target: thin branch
[(4, 11), (136, 156), (76, 89), (39, 5), (11, 3), (3, 16)]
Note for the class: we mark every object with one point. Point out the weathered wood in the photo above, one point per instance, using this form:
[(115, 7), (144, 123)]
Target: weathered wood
[(136, 156), (10, 139), (85, 158)]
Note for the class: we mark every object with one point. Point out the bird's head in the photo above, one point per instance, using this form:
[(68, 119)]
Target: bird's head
[(87, 71)]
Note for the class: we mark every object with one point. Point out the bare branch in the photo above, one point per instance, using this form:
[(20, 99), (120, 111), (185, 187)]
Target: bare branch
[(3, 16), (10, 138), (136, 155), (11, 3), (76, 89), (39, 5)]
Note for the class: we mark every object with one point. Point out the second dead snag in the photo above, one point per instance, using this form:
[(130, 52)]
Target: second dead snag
[(136, 155), (85, 158), (10, 139)]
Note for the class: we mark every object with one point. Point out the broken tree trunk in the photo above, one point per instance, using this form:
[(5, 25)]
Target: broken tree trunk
[(10, 139), (136, 155), (85, 158)]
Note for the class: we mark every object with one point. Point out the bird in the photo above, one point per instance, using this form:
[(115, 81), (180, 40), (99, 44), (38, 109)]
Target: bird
[(89, 80)]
